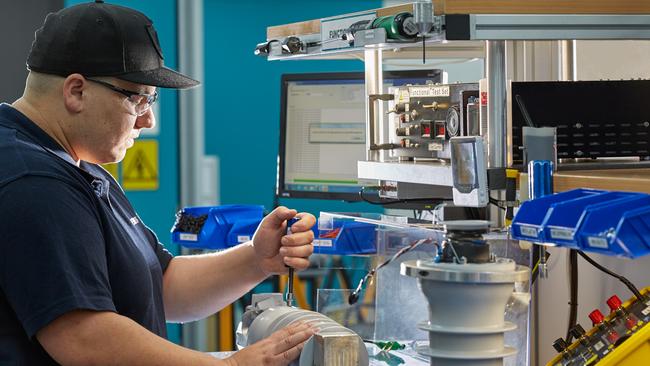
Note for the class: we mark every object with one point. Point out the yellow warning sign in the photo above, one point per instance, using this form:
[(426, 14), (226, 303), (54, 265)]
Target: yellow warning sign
[(111, 168), (140, 167)]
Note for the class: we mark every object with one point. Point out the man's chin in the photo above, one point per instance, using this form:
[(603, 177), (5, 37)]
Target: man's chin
[(114, 158)]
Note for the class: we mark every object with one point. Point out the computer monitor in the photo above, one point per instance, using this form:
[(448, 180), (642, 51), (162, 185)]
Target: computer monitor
[(323, 131)]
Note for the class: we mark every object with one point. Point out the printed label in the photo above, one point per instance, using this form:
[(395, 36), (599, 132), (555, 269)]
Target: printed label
[(322, 242), (528, 231), (596, 242), (646, 311), (189, 237), (403, 96), (561, 234), (435, 146), (598, 346), (429, 91), (243, 238), (333, 29)]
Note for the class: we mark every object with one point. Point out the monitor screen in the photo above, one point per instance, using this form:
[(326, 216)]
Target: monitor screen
[(323, 131)]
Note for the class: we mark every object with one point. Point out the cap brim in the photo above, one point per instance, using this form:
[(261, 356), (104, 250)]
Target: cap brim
[(163, 78)]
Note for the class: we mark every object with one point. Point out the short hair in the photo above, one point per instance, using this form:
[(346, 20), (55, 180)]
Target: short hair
[(41, 84)]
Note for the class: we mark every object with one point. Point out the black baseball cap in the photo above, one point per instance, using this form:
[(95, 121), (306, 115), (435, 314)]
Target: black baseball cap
[(98, 39)]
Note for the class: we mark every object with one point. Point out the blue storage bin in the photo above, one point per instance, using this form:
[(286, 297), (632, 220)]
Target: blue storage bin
[(225, 226), (564, 218), (621, 228), (531, 216), (347, 237)]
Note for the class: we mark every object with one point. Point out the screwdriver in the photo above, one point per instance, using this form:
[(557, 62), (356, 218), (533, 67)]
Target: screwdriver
[(289, 297)]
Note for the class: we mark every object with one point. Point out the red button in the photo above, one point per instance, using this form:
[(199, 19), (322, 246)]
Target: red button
[(441, 130), (484, 98), (614, 303), (596, 317)]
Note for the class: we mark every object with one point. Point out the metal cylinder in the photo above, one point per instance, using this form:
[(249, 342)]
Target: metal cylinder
[(497, 106), (568, 61), (374, 80)]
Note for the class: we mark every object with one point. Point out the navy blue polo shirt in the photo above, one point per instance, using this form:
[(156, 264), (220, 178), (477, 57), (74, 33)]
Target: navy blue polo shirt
[(69, 240)]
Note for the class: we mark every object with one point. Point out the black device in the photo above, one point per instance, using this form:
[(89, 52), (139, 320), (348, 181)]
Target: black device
[(322, 131), (594, 119)]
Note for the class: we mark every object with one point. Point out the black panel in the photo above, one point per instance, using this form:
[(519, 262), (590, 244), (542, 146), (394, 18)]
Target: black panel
[(457, 26), (593, 118)]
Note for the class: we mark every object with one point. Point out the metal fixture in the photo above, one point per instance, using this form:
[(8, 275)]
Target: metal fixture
[(467, 290)]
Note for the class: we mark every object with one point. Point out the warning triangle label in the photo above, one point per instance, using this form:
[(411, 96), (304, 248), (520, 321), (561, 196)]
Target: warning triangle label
[(140, 166)]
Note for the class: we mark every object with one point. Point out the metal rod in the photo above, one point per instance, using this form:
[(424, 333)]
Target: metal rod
[(569, 69), (496, 75), (374, 83), (290, 288), (191, 132)]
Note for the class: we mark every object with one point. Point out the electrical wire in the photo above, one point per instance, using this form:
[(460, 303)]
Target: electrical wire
[(625, 281), (496, 203), (573, 293), (535, 270), (354, 296)]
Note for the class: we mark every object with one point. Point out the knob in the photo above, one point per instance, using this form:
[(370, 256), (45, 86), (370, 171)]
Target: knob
[(596, 317), (614, 303)]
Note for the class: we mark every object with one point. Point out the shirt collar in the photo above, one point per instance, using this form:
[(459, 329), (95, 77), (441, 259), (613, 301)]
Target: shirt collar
[(23, 124), (12, 118)]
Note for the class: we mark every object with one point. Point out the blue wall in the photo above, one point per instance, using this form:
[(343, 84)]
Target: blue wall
[(242, 94)]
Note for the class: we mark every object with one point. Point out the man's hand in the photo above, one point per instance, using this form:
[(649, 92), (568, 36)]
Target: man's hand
[(274, 248), (279, 349)]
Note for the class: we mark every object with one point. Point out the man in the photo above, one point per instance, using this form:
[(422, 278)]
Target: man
[(82, 280)]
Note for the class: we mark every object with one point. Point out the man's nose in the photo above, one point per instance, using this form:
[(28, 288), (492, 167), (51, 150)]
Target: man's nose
[(147, 120)]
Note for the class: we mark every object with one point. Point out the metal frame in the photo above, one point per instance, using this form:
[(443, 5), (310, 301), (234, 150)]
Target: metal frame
[(494, 29), (551, 27), (499, 27), (432, 174)]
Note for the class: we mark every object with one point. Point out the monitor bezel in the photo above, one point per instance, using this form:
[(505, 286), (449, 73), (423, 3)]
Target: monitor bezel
[(436, 75)]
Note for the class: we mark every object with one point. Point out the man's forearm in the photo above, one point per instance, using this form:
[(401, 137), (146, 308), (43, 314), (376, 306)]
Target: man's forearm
[(200, 285), (105, 338)]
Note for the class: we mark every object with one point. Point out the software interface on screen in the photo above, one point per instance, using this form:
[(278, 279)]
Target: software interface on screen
[(324, 136)]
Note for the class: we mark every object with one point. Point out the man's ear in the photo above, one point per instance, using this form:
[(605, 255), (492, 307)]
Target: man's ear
[(73, 92)]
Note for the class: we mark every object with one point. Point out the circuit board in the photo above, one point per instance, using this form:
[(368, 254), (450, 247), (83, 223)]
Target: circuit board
[(593, 346)]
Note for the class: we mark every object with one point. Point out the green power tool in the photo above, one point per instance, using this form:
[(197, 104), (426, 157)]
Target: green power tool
[(400, 26)]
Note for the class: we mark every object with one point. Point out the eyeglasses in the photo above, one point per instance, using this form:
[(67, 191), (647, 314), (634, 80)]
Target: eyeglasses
[(141, 101)]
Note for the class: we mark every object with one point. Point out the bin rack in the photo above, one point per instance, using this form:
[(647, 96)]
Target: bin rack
[(531, 216), (224, 227), (611, 223), (563, 218), (622, 228)]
